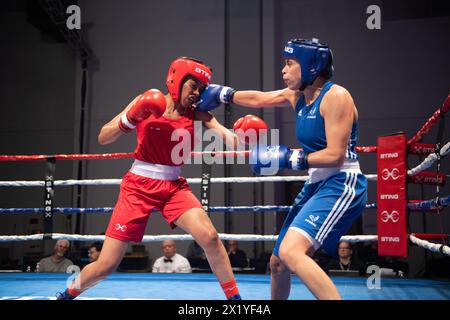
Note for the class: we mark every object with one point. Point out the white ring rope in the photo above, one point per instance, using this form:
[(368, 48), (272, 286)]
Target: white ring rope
[(147, 238), (440, 248), (108, 182), (428, 161), (360, 238), (222, 236)]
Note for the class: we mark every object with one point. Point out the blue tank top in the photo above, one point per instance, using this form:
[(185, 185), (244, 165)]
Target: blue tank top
[(310, 126)]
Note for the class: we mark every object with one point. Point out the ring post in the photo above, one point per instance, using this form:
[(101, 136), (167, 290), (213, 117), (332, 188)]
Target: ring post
[(49, 192), (391, 195)]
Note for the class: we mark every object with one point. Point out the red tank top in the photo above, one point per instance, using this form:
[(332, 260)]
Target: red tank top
[(154, 137)]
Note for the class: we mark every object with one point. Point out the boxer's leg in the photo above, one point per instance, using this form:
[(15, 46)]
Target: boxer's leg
[(196, 222), (110, 257), (295, 251)]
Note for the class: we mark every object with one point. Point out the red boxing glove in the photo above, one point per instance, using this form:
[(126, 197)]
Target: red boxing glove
[(150, 102), (249, 129)]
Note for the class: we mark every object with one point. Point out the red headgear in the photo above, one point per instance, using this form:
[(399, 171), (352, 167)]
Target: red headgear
[(180, 69)]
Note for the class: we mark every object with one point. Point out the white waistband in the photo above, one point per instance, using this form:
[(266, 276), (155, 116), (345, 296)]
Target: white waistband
[(155, 171), (318, 174)]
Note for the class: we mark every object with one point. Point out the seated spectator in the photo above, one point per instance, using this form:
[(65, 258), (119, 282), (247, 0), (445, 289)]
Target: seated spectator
[(94, 251), (171, 262), (57, 262), (238, 258), (196, 256), (345, 259)]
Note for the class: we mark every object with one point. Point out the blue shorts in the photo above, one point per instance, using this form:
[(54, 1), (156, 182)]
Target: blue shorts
[(325, 210)]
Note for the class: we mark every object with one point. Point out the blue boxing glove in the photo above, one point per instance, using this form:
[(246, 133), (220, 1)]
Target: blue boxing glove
[(213, 96), (267, 160)]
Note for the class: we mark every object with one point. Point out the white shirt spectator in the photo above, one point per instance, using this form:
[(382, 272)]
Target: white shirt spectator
[(175, 264)]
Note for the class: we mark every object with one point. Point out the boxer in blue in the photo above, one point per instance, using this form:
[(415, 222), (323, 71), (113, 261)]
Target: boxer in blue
[(326, 127)]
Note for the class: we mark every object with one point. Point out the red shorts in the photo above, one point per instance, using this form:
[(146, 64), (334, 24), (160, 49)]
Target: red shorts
[(139, 196)]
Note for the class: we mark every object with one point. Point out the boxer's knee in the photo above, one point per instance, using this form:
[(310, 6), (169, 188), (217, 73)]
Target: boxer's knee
[(209, 239), (277, 267)]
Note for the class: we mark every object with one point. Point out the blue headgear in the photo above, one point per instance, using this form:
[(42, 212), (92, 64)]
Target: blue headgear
[(314, 57)]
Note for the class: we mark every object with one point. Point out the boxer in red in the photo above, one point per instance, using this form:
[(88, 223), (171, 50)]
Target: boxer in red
[(154, 181)]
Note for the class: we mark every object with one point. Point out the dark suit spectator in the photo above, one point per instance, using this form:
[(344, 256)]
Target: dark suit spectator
[(238, 258)]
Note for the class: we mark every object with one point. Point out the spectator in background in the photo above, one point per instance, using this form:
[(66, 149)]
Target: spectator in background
[(171, 261), (94, 251), (196, 256), (238, 258), (57, 262), (345, 259)]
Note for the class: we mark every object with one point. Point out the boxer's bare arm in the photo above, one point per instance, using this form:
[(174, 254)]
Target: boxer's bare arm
[(110, 132), (259, 99)]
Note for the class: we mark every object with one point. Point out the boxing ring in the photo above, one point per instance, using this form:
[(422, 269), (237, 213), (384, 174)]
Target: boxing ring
[(38, 286)]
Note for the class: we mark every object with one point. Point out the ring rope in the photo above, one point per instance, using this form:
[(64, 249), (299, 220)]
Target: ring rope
[(422, 205), (430, 204), (429, 160), (431, 122), (223, 236), (39, 157), (439, 248), (157, 238), (61, 210), (129, 155), (108, 182)]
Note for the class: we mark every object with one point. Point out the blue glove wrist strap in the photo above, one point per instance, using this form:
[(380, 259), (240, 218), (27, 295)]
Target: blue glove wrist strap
[(298, 160)]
